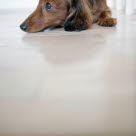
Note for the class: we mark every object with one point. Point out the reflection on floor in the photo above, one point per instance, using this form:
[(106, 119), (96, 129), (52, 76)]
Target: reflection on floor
[(63, 83)]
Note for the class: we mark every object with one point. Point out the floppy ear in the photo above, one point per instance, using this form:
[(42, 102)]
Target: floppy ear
[(80, 17)]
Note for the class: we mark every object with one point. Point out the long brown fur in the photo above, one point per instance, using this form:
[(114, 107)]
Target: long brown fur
[(73, 15)]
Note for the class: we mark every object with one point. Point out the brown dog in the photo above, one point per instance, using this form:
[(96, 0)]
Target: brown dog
[(73, 15)]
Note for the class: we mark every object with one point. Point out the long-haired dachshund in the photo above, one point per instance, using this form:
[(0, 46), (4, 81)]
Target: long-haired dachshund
[(73, 15)]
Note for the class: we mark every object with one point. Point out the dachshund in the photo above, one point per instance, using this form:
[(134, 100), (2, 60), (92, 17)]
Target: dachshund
[(73, 15)]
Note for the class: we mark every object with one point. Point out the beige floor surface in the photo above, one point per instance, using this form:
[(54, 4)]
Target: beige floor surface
[(63, 83)]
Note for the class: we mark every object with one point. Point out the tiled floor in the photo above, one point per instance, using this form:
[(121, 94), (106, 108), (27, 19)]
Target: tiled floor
[(62, 83)]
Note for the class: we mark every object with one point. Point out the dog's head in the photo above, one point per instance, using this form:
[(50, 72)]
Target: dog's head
[(72, 14)]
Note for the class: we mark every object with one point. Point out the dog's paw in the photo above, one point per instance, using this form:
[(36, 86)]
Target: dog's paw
[(76, 25), (107, 22)]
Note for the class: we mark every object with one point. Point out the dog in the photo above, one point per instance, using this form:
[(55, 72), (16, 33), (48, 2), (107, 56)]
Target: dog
[(73, 15)]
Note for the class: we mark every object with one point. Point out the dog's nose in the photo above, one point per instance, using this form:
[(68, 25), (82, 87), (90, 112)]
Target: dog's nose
[(23, 27)]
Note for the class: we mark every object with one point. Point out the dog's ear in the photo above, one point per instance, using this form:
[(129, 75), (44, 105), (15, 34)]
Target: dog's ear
[(79, 17)]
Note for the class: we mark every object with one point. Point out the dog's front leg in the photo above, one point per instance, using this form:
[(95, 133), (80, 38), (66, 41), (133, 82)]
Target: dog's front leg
[(105, 18)]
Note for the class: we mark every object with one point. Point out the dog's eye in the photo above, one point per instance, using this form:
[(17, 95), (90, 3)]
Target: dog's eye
[(48, 6)]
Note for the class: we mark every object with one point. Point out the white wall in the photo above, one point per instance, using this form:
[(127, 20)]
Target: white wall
[(11, 4), (128, 5)]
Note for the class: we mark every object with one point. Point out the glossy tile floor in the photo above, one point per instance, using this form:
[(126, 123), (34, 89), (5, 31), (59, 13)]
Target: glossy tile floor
[(62, 83)]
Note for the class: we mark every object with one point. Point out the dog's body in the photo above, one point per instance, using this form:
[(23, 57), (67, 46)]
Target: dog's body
[(73, 15)]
